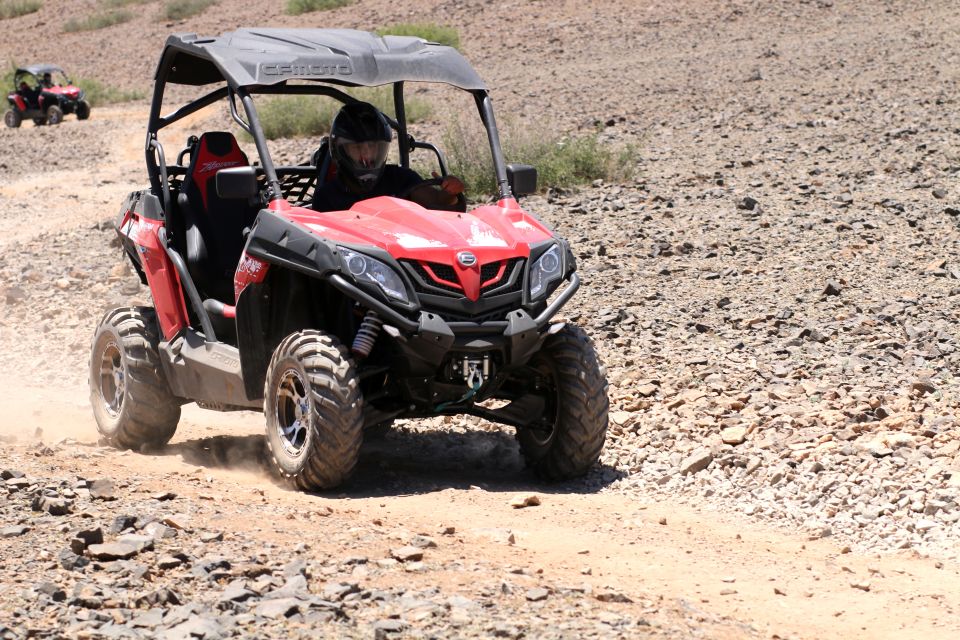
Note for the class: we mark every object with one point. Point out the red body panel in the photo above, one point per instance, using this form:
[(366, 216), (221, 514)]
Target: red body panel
[(19, 101), (68, 91), (493, 233), (161, 274)]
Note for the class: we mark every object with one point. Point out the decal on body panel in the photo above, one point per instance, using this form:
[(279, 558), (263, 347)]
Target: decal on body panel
[(484, 237), (410, 241)]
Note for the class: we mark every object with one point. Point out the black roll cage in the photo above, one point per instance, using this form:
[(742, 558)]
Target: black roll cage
[(153, 150)]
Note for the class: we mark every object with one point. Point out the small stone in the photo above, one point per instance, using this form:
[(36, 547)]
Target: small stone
[(103, 489), (833, 288), (13, 532), (386, 626), (423, 542), (407, 554), (70, 560), (52, 590), (112, 551), (646, 390), (537, 594), (525, 500), (211, 536), (696, 461), (612, 596), (169, 562), (733, 435), (863, 585), (278, 608)]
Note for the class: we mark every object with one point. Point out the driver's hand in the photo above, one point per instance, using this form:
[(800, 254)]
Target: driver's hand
[(451, 184)]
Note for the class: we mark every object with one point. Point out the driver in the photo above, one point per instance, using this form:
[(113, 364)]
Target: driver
[(359, 140), (47, 81), (30, 96)]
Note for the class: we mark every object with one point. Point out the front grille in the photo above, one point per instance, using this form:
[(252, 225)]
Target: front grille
[(423, 282), (440, 279), (490, 271), (511, 280), (443, 271)]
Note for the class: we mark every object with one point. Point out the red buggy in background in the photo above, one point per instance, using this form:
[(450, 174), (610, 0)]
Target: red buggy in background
[(44, 93)]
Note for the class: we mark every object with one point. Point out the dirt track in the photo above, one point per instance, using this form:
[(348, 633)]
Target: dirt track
[(837, 118)]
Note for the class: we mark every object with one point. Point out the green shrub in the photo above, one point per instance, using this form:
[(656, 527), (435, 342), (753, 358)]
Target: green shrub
[(97, 21), (180, 9), (97, 94), (298, 116), (6, 80), (561, 161), (430, 32), (296, 7), (16, 8)]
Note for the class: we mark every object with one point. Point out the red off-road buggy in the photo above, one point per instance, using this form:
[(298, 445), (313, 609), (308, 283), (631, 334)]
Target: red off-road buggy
[(44, 93), (336, 323)]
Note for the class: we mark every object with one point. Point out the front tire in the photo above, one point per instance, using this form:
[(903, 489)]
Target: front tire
[(313, 410), (83, 110), (54, 115), (131, 399), (575, 407), (12, 118)]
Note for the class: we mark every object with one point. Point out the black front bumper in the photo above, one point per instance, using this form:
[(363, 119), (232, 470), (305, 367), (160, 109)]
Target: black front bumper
[(431, 338)]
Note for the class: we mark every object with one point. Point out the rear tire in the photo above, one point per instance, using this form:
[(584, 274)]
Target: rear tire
[(12, 118), (130, 396), (577, 403), (313, 410), (83, 110), (54, 115)]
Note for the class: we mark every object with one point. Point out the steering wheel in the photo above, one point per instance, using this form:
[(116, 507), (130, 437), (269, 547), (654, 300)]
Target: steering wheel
[(429, 182), (460, 205)]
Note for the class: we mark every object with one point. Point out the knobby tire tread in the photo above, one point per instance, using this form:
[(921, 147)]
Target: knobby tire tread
[(336, 426), (581, 423), (149, 413)]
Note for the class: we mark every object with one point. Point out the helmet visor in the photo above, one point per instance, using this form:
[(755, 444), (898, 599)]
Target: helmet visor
[(368, 155)]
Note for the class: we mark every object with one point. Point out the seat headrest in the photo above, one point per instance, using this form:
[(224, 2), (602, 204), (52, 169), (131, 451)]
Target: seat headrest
[(215, 150)]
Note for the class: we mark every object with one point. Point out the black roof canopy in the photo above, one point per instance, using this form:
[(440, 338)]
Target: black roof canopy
[(263, 57), (39, 69)]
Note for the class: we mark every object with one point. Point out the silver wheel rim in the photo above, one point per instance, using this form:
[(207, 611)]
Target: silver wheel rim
[(293, 412), (113, 377)]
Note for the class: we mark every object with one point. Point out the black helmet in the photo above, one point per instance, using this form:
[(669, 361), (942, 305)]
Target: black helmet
[(359, 140)]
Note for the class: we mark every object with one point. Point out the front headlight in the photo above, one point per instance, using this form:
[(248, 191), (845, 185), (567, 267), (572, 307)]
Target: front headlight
[(545, 271), (363, 268)]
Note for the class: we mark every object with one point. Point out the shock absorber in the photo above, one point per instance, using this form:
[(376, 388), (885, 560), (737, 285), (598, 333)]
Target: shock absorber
[(366, 335)]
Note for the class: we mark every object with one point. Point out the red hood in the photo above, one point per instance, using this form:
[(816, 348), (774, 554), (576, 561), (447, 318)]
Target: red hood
[(492, 233), (70, 91)]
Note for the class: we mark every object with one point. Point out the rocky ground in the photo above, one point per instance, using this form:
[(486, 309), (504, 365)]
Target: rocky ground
[(774, 296)]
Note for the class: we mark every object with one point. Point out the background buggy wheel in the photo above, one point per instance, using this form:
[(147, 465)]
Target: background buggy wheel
[(574, 422), (131, 400), (83, 110), (12, 118), (313, 410), (54, 115)]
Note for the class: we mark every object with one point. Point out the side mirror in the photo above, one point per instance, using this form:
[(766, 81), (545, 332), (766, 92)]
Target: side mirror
[(237, 183), (522, 179)]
